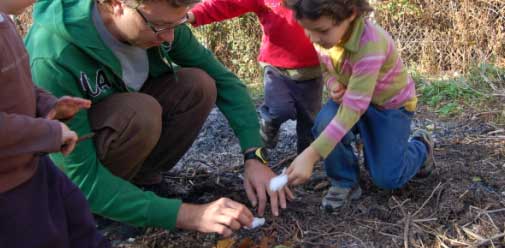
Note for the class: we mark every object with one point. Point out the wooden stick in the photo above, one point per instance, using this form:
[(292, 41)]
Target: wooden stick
[(406, 240), (427, 200)]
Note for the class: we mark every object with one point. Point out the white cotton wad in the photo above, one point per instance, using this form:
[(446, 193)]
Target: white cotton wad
[(257, 222), (279, 181)]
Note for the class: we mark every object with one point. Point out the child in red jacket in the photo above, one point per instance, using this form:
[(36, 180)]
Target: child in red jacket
[(292, 75)]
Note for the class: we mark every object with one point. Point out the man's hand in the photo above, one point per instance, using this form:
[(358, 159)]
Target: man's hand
[(68, 139), (222, 216), (257, 177), (301, 168), (67, 107), (337, 92)]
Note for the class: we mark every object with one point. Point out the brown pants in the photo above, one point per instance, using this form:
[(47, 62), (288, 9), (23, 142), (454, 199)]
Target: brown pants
[(138, 135)]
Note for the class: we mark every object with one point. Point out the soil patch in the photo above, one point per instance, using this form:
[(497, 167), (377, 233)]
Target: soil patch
[(461, 204)]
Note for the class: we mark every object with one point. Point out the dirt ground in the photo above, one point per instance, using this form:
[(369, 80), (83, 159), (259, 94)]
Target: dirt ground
[(461, 205)]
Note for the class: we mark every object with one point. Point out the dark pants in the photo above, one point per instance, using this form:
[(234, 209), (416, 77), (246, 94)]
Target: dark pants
[(141, 134), (47, 211), (287, 99), (390, 157)]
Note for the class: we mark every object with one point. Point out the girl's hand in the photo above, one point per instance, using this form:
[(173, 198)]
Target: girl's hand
[(301, 168), (337, 92), (67, 107), (68, 139)]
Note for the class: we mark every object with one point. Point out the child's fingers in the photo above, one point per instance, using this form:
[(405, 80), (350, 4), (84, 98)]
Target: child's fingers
[(75, 102), (83, 103)]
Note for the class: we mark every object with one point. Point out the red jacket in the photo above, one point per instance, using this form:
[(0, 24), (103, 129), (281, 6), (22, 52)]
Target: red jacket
[(284, 43)]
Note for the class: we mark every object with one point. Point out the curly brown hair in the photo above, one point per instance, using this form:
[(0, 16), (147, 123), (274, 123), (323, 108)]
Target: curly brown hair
[(338, 10)]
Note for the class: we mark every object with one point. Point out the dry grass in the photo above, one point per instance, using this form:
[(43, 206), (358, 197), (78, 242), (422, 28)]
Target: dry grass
[(446, 35), (434, 35)]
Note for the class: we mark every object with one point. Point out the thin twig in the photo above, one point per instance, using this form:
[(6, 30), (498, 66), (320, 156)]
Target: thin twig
[(491, 220), (400, 205), (483, 242), (424, 220), (495, 211), (406, 239), (427, 200), (299, 228), (472, 234)]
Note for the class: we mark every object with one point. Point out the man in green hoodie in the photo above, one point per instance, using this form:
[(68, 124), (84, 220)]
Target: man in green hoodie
[(152, 85)]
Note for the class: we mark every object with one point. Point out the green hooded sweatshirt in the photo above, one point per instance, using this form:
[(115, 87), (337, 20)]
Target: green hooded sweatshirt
[(68, 57)]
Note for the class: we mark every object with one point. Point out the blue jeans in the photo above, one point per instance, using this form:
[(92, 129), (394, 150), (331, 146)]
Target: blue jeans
[(286, 99), (390, 157)]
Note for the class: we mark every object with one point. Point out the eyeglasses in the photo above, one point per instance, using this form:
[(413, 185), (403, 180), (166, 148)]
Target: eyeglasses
[(158, 30)]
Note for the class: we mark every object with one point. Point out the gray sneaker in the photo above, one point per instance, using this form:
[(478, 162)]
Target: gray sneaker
[(338, 196), (269, 133), (429, 164)]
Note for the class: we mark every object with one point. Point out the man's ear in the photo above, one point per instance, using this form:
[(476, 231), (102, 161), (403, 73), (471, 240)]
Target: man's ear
[(117, 7)]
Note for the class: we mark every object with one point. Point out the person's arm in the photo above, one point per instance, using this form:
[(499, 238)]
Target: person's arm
[(355, 102), (210, 11), (23, 134), (232, 96), (107, 194), (45, 102), (236, 104)]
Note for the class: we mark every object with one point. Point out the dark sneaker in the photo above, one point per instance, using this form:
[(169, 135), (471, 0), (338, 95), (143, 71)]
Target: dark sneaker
[(429, 164), (338, 197), (269, 133)]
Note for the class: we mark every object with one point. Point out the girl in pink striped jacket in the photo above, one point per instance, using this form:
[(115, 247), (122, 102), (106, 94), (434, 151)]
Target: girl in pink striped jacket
[(360, 58)]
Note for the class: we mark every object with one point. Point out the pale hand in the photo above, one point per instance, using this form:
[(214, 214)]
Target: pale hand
[(337, 92), (222, 216), (68, 139), (301, 168), (66, 107), (257, 178)]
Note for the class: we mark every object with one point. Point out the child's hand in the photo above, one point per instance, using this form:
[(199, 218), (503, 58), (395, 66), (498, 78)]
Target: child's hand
[(301, 168), (337, 92), (68, 139), (67, 107)]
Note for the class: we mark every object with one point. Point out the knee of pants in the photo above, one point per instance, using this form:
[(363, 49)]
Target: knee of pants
[(324, 117), (200, 85), (126, 117), (146, 121)]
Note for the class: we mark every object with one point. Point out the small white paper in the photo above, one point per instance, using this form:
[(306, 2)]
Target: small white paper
[(257, 222), (279, 181)]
